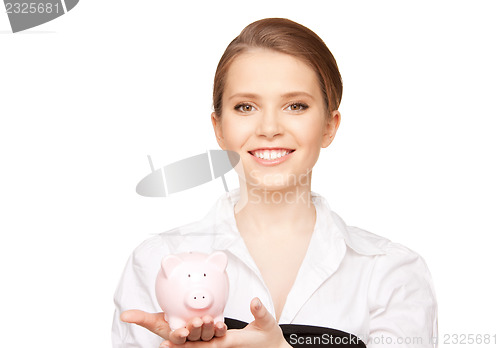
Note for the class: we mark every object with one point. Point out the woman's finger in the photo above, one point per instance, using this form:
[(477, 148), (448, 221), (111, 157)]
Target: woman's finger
[(207, 330), (179, 336), (263, 319), (194, 327), (220, 329), (154, 322)]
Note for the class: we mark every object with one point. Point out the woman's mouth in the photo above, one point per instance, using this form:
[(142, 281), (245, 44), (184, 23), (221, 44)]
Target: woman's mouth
[(271, 156)]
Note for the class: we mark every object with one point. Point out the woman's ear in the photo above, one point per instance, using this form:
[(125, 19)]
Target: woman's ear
[(217, 124), (332, 124)]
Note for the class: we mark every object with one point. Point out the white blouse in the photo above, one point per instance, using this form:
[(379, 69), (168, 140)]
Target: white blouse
[(350, 280)]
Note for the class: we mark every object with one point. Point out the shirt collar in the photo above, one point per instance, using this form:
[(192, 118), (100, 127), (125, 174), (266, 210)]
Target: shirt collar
[(329, 226), (333, 224)]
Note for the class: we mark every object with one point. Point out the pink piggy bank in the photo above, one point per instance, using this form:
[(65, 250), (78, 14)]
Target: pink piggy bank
[(192, 285)]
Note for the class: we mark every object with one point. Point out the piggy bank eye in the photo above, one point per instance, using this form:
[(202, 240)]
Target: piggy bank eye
[(189, 275), (204, 274)]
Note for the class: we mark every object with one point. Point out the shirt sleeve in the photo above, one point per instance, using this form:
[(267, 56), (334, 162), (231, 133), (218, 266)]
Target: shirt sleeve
[(402, 301), (136, 290)]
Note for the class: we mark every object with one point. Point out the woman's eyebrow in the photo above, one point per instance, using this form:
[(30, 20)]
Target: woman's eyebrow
[(296, 94), (286, 95)]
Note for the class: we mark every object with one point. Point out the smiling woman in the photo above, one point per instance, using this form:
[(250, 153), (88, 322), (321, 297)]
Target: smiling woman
[(274, 115), (308, 278)]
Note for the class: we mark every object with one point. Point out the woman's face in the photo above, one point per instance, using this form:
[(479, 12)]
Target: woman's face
[(274, 117)]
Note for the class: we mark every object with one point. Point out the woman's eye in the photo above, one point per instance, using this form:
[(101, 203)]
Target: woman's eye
[(298, 106), (243, 107), (293, 107)]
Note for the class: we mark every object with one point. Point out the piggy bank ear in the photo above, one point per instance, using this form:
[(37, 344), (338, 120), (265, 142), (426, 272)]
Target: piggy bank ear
[(219, 259), (169, 263)]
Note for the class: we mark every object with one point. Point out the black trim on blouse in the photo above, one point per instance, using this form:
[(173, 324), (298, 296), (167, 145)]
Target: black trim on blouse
[(307, 336)]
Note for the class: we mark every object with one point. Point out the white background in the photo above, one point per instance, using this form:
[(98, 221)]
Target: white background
[(85, 98)]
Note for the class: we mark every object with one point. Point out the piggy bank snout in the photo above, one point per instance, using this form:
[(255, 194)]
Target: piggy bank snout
[(199, 299)]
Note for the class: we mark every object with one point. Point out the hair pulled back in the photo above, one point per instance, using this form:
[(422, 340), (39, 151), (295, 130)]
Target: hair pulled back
[(284, 36)]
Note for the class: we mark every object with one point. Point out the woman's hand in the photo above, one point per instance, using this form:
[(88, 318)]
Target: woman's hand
[(263, 332), (196, 329)]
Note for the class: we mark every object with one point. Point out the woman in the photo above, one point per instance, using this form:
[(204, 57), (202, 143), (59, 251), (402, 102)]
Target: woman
[(306, 276)]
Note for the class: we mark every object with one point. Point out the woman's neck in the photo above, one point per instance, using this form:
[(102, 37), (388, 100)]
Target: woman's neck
[(275, 212)]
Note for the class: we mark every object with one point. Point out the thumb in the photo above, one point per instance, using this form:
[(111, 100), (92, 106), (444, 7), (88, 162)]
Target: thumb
[(263, 319), (154, 322)]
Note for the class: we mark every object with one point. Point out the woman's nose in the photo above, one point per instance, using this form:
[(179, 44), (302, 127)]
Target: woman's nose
[(269, 124)]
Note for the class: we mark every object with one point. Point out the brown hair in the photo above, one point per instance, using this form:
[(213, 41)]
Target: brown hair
[(289, 37)]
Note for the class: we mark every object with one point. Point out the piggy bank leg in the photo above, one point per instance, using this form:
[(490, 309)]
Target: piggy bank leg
[(176, 323)]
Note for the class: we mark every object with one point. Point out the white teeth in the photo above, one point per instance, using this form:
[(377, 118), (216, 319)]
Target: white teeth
[(270, 154)]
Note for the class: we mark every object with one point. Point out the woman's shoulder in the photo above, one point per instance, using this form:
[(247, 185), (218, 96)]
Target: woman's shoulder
[(395, 264), (396, 273), (365, 242), (385, 246), (388, 253), (359, 240), (399, 286)]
